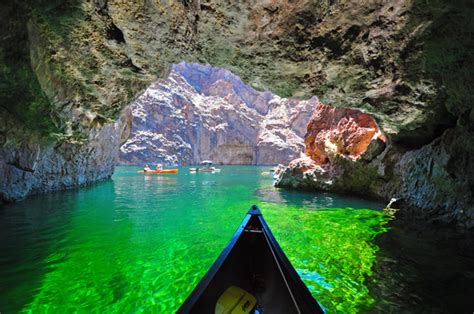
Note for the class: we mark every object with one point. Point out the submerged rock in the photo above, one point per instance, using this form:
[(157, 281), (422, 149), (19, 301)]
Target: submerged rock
[(202, 112)]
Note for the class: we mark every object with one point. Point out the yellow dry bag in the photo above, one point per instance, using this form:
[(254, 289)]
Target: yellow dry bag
[(235, 301)]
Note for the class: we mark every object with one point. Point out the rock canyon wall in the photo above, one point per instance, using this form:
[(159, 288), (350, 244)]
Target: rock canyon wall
[(202, 112), (31, 165), (346, 152), (69, 68)]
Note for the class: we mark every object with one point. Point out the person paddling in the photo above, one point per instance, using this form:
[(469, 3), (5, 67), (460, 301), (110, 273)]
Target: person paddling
[(146, 168)]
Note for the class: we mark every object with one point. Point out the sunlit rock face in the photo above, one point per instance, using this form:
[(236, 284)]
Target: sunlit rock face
[(339, 143), (202, 112), (346, 152), (340, 131)]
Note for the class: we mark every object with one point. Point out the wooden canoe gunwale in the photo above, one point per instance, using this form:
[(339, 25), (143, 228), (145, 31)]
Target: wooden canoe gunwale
[(304, 301)]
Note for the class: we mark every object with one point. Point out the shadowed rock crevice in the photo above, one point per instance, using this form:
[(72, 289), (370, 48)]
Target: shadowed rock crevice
[(114, 33)]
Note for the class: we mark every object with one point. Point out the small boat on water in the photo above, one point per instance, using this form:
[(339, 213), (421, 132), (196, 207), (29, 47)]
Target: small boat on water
[(159, 169), (163, 171), (252, 275), (206, 166)]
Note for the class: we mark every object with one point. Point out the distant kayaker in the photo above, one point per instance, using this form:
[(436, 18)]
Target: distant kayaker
[(159, 167), (146, 168)]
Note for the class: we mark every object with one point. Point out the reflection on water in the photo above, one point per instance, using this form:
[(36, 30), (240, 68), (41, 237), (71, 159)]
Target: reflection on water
[(424, 269), (140, 243), (26, 238), (159, 178), (312, 200)]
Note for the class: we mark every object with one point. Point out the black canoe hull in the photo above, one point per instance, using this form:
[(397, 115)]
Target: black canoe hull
[(253, 261)]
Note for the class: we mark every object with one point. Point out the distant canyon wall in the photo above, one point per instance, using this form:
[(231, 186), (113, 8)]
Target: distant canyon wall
[(202, 112)]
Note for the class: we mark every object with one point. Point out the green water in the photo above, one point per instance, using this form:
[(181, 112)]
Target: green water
[(140, 243)]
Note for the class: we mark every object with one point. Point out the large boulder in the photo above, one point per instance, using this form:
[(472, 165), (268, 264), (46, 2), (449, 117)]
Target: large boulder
[(340, 132), (340, 143)]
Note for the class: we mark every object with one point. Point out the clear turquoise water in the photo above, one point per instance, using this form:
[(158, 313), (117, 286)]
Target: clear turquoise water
[(141, 243)]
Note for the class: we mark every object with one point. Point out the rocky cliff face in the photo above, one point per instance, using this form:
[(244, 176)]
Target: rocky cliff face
[(433, 182), (31, 165), (202, 112), (76, 64)]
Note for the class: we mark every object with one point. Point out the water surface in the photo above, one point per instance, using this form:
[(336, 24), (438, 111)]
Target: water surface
[(140, 243)]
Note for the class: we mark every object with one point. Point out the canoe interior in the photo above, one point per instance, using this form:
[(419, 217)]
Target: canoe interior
[(248, 263)]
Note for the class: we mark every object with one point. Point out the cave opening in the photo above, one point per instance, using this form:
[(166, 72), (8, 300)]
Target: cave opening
[(201, 112)]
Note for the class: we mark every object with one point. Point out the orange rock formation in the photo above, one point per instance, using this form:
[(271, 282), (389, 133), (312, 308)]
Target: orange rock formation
[(339, 131)]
